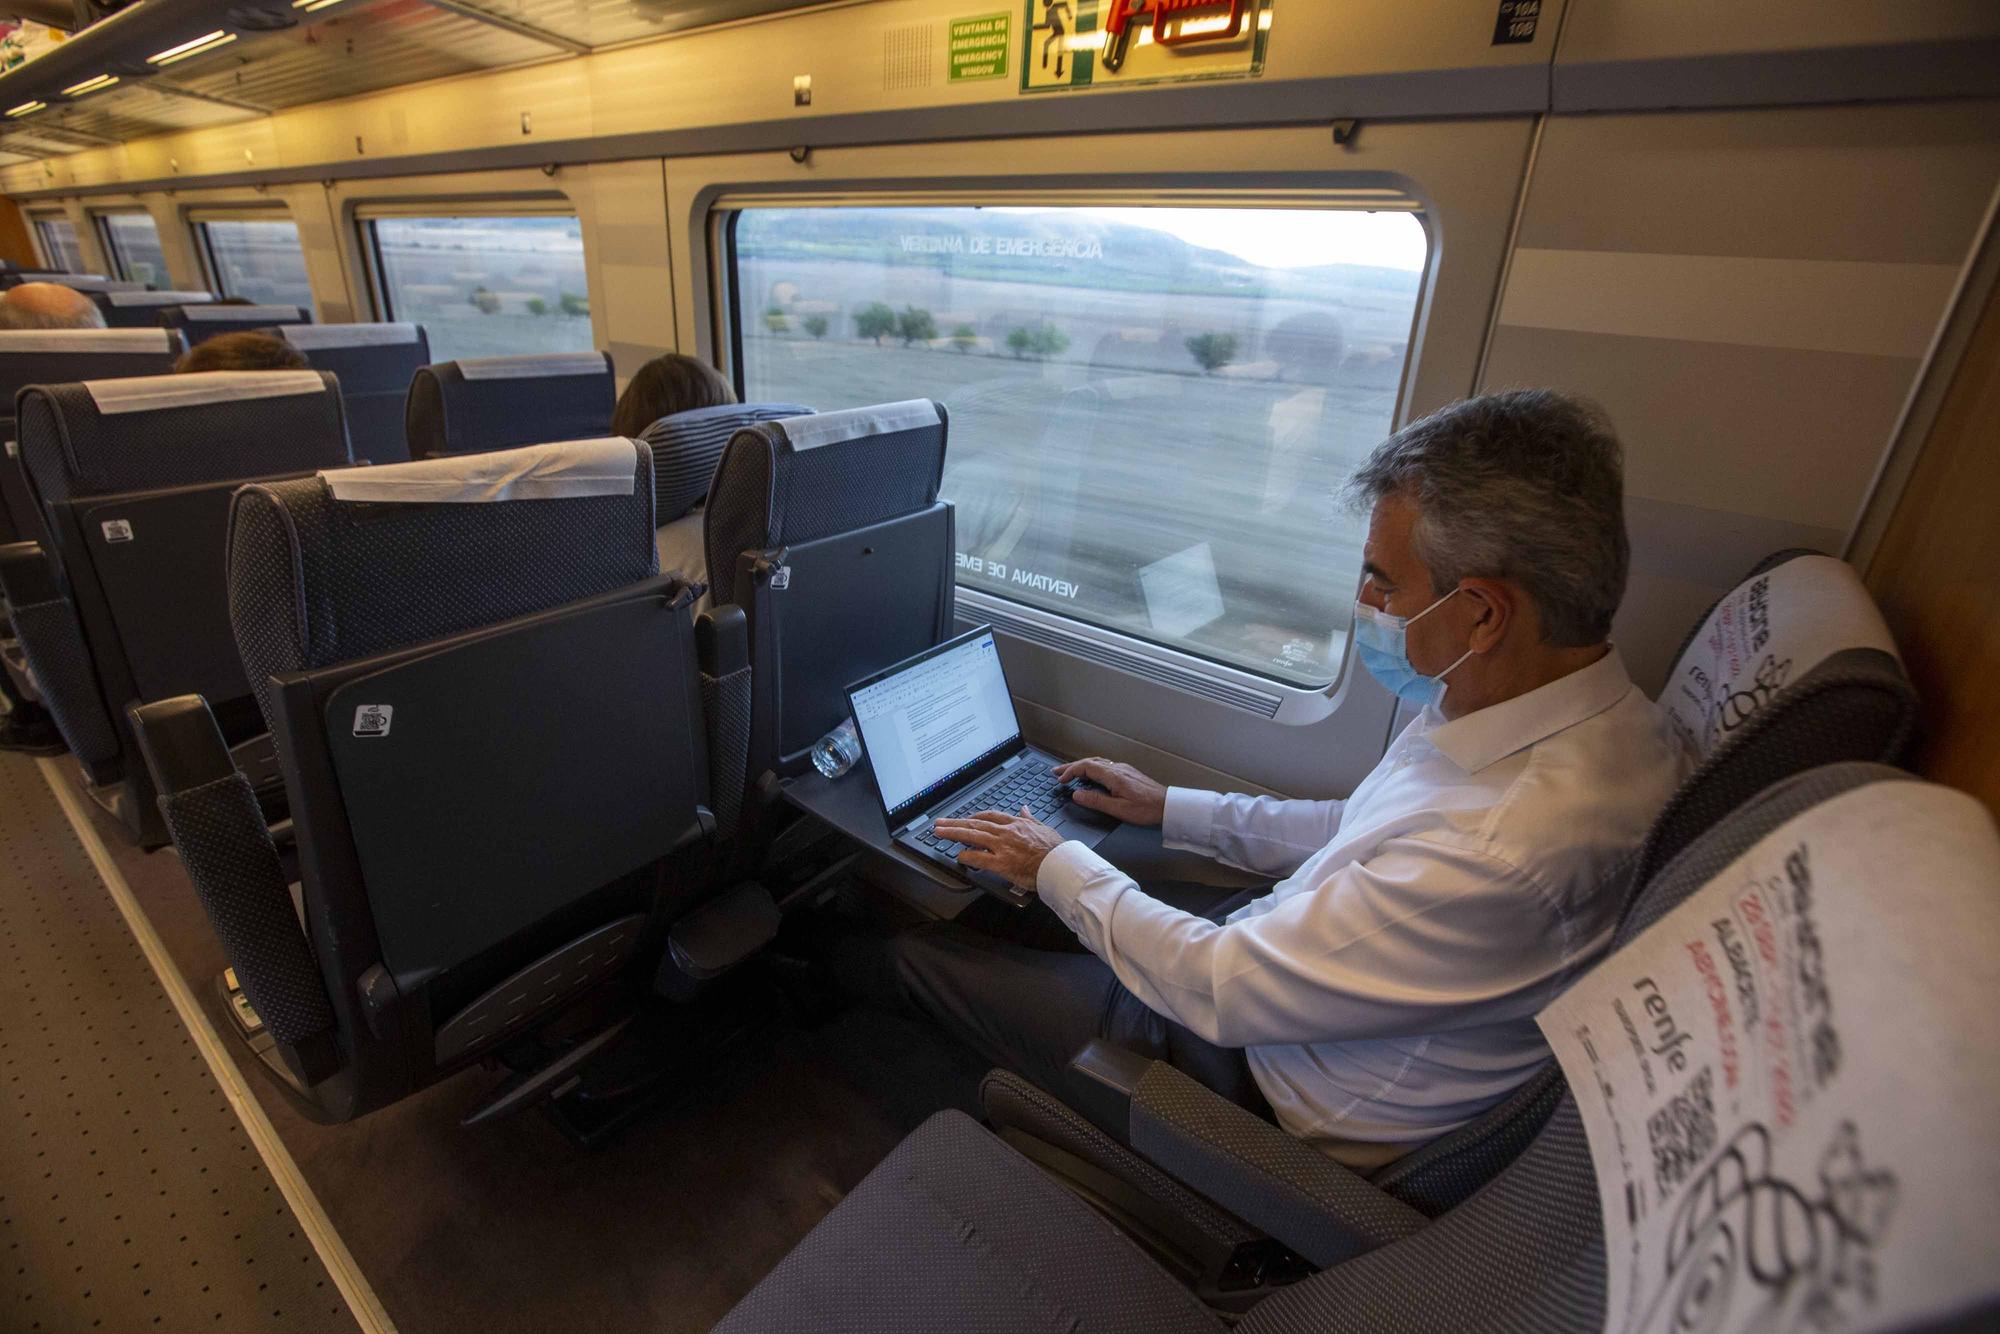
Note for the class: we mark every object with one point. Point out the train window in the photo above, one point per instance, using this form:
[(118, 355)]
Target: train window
[(132, 243), (1152, 409), (59, 245), (258, 259), (485, 285)]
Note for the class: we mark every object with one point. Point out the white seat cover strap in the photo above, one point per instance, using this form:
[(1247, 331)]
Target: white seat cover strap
[(606, 467)]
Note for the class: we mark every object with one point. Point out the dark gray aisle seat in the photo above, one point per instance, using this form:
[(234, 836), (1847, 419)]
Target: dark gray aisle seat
[(374, 364), (828, 532), (953, 1231), (1843, 697), (480, 403), (141, 310), (488, 713), (125, 602), (199, 323), (61, 356), (686, 447)]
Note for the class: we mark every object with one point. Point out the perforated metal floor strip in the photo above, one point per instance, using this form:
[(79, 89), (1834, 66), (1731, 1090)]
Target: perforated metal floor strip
[(132, 1195)]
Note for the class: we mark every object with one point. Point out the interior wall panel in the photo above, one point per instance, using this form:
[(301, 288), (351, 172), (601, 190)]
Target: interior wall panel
[(1750, 295)]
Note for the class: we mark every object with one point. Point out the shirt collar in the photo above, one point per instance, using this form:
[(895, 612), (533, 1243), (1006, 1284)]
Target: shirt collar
[(1497, 731)]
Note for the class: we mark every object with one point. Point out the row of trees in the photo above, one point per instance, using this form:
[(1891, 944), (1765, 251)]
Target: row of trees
[(913, 324), (487, 302)]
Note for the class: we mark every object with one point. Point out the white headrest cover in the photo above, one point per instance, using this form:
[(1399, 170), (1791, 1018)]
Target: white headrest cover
[(240, 313), (830, 428), (86, 340), (1802, 1049), (312, 337), (535, 364), (84, 282), (1766, 634), (158, 298), (146, 393), (606, 467)]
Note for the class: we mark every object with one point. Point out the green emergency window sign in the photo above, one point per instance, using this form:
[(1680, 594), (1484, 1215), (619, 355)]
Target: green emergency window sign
[(978, 48)]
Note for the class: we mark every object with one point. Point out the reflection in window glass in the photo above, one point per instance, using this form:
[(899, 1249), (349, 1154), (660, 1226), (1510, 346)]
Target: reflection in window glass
[(1152, 410), (487, 287), (259, 260), (59, 247), (134, 243)]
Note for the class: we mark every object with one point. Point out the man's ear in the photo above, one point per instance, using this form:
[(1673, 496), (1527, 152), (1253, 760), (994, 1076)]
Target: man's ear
[(1495, 603)]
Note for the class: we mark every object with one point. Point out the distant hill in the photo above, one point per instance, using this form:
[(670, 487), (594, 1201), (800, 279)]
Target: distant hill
[(1058, 249)]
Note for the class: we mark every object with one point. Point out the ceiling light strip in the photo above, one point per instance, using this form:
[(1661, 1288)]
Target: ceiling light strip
[(193, 47)]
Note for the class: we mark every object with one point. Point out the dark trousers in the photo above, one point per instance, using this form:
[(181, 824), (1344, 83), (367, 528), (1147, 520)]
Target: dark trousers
[(1017, 986)]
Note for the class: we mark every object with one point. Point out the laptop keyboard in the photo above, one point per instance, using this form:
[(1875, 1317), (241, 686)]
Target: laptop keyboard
[(1029, 785)]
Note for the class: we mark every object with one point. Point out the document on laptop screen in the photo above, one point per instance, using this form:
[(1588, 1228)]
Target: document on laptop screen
[(924, 724)]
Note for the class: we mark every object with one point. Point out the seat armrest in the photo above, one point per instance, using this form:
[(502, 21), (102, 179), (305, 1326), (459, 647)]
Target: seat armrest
[(27, 576), (227, 851), (722, 640), (182, 746), (722, 651), (1275, 1183)]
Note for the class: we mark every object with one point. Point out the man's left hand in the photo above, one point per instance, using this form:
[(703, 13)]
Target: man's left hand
[(1013, 846)]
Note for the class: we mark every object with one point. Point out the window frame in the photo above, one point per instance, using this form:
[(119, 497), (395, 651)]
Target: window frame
[(50, 260), (1024, 619), (198, 219), (109, 243), (366, 214)]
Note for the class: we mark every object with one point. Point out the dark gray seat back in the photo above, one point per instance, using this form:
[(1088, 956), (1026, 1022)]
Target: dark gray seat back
[(134, 476), (478, 404), (141, 310), (61, 356), (199, 323), (374, 364), (480, 823), (828, 532)]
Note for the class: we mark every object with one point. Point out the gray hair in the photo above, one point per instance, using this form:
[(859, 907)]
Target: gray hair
[(1527, 485)]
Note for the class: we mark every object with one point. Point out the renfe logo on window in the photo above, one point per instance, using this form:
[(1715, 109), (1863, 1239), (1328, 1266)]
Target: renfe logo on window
[(1175, 23)]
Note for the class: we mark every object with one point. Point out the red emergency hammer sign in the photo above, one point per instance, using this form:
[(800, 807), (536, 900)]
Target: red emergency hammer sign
[(1169, 19)]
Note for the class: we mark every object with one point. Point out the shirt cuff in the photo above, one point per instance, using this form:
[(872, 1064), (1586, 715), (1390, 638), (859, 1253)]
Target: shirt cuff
[(1066, 874), (1189, 822)]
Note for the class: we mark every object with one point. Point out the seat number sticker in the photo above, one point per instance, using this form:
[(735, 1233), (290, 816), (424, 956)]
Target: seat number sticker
[(372, 720), (117, 530)]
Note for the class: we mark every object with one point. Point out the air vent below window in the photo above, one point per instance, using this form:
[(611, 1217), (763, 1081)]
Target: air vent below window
[(1179, 678)]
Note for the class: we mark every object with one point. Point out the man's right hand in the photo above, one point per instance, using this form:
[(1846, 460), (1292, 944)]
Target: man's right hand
[(1127, 794)]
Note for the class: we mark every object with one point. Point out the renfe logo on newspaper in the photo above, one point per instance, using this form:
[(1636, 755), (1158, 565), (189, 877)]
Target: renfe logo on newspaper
[(1791, 1083)]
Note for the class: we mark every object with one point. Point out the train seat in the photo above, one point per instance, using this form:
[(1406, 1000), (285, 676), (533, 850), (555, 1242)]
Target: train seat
[(480, 403), (82, 282), (481, 830), (375, 364), (828, 532), (954, 1230), (199, 323), (62, 356), (141, 310), (125, 601), (1832, 692), (686, 447)]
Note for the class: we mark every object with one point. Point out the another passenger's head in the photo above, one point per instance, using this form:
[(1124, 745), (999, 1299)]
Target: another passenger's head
[(666, 385), (48, 306), (241, 352), (1503, 518)]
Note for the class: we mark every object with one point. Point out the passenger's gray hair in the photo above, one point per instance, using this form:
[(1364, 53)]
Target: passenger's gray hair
[(1527, 485)]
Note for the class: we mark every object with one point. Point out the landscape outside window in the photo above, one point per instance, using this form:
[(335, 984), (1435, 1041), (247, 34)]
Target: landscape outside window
[(1152, 410), (59, 245), (487, 286), (134, 243), (260, 260)]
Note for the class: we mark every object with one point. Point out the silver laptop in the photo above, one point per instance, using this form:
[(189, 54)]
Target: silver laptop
[(942, 740)]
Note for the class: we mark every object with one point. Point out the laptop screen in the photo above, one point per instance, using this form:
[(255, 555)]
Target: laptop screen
[(935, 721)]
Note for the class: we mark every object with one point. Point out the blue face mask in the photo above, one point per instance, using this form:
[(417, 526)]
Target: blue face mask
[(1383, 643)]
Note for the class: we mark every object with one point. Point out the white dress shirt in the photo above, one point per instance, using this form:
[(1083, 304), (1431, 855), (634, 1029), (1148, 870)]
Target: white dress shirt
[(1386, 989)]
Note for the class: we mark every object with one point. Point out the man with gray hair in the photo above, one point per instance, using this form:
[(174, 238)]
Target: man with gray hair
[(27, 726), (1384, 991), (48, 306)]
